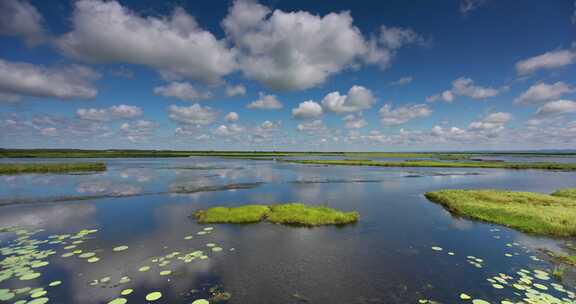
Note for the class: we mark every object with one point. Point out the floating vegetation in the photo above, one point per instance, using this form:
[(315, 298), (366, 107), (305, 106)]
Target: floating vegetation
[(526, 211), (120, 248), (153, 296), (292, 214), (50, 167)]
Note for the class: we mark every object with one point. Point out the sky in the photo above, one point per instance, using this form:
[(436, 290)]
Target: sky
[(296, 75)]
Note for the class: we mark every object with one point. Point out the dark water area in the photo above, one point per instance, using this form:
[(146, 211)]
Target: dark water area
[(389, 256)]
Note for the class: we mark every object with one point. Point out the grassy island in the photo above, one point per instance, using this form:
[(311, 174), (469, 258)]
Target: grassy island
[(441, 164), (290, 214), (536, 213), (50, 167)]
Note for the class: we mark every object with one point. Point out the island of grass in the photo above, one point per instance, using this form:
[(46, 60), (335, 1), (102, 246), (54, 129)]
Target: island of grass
[(288, 214), (544, 214), (51, 168), (441, 164)]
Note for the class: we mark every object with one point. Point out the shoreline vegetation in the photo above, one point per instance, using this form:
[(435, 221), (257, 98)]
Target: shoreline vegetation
[(441, 164), (288, 214), (51, 168), (542, 214), (115, 153)]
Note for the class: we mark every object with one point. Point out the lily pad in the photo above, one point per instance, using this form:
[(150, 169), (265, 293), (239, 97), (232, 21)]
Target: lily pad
[(153, 296)]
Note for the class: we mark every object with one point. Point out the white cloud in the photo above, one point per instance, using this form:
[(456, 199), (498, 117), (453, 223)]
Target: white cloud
[(138, 131), (547, 61), (237, 90), (269, 125), (358, 98), (307, 110), (194, 114), (403, 114), (20, 19), (558, 107), (112, 113), (265, 102), (311, 126), (467, 6), (300, 50), (232, 117), (466, 87), (492, 122), (542, 92), (446, 96), (354, 121), (182, 91), (65, 82), (402, 81), (106, 32), (228, 130), (382, 49)]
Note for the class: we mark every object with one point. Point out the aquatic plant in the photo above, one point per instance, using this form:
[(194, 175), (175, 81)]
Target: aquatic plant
[(566, 192), (291, 213), (50, 167), (235, 215), (529, 212)]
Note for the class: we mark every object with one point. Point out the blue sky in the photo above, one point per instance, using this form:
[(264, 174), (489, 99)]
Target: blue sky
[(297, 75)]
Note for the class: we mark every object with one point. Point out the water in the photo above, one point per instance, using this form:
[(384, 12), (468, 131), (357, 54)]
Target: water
[(385, 258)]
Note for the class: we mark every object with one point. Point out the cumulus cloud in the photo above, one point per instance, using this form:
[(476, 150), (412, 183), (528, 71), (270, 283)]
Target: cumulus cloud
[(403, 114), (107, 32), (64, 82), (311, 126), (232, 117), (382, 48), (265, 102), (358, 98), (193, 115), (299, 50), (107, 114), (558, 107), (402, 81), (237, 90), (20, 19), (307, 110), (492, 122), (352, 121), (467, 6), (542, 92), (182, 91), (138, 131), (466, 87), (228, 130), (547, 61)]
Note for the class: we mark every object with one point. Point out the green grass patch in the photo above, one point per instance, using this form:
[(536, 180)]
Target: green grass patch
[(441, 164), (526, 211), (50, 167), (288, 214), (235, 215), (566, 192)]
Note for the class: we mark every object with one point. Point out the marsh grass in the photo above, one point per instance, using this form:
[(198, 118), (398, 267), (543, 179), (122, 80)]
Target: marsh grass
[(566, 192), (441, 164), (50, 167), (288, 214), (528, 212), (234, 215)]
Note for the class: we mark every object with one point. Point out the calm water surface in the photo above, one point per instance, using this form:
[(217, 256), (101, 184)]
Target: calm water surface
[(385, 258)]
